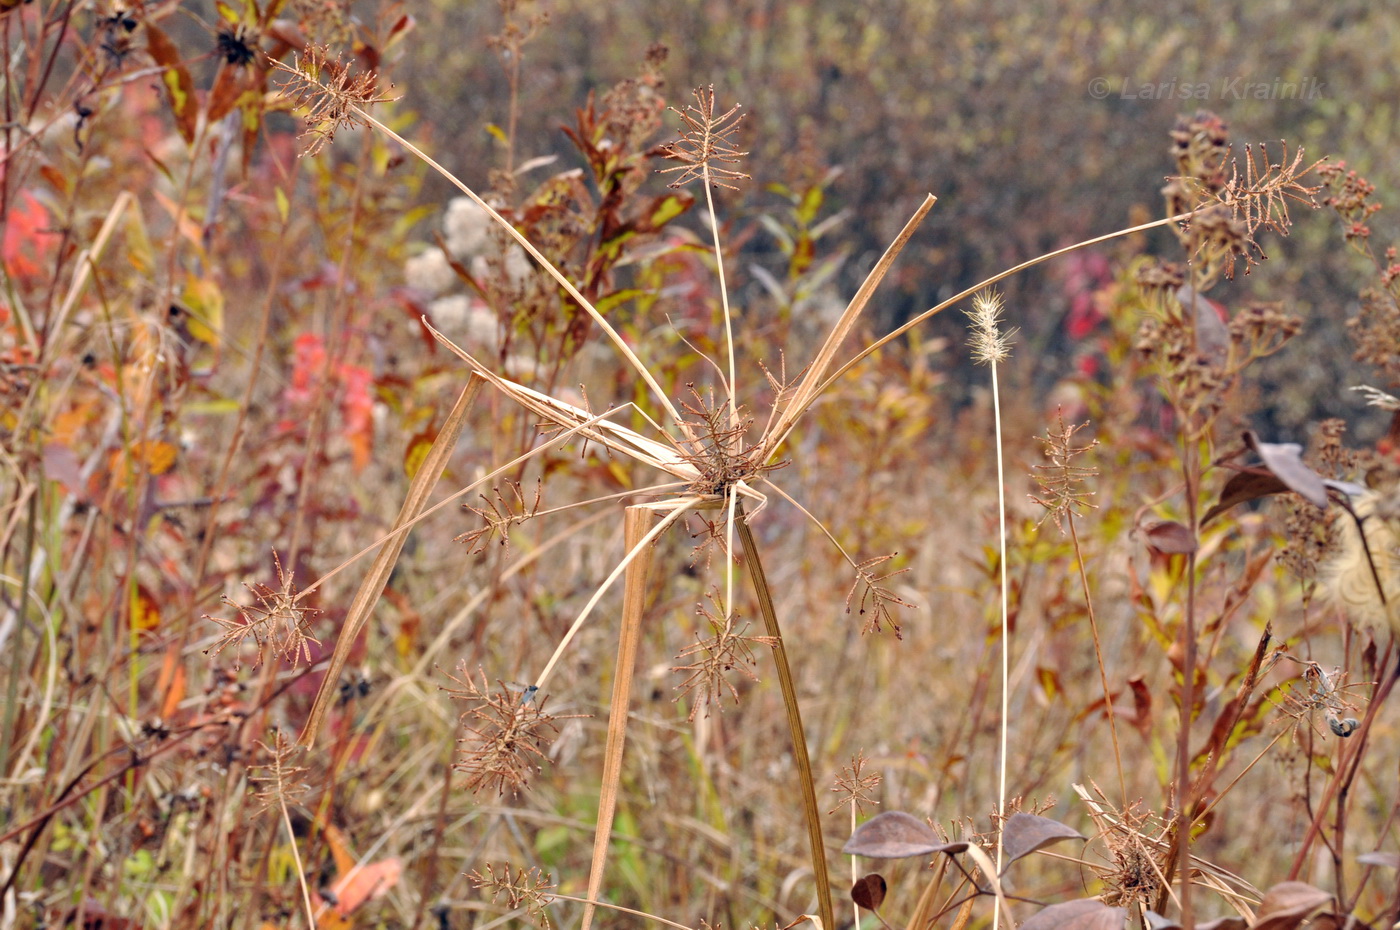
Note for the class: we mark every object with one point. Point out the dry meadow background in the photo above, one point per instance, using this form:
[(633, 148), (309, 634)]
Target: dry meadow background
[(220, 385)]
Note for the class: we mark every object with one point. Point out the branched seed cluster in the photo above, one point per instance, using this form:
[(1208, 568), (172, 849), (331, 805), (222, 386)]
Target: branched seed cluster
[(278, 623), (726, 649), (505, 734)]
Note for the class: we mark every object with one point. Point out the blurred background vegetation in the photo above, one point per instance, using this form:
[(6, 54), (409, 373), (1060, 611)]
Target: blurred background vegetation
[(216, 384)]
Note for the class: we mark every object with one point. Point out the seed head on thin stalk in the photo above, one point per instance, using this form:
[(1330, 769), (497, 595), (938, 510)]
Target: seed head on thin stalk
[(1062, 484), (331, 94), (992, 345), (277, 623), (705, 143), (855, 788)]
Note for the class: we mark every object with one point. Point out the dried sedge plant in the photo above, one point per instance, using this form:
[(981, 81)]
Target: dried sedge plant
[(727, 649), (855, 786), (522, 888), (277, 779), (1228, 204), (1061, 480), (506, 734), (856, 790), (277, 623), (1134, 871)]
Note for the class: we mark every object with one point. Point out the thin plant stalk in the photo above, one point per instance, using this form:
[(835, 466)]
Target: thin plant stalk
[(1005, 631), (723, 297), (794, 716), (1098, 657)]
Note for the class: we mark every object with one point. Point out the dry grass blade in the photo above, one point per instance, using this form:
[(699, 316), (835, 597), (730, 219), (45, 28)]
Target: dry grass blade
[(633, 599), (373, 585), (812, 384)]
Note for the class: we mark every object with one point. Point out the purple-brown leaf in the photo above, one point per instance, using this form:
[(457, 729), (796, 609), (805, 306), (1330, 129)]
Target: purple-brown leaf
[(869, 892), (1081, 914), (1023, 834), (896, 835), (1170, 537), (1288, 904)]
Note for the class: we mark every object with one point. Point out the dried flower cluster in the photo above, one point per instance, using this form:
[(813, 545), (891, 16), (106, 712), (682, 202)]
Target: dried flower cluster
[(506, 734), (522, 888), (1061, 481), (725, 650), (277, 623), (332, 95)]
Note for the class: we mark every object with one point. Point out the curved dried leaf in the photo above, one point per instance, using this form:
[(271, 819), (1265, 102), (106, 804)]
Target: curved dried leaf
[(1023, 834), (869, 892), (1288, 904), (893, 835), (1170, 537), (1388, 860), (1081, 914), (1245, 485), (1285, 460)]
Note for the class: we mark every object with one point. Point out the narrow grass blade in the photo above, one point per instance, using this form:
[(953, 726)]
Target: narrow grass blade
[(633, 599), (799, 737), (373, 585)]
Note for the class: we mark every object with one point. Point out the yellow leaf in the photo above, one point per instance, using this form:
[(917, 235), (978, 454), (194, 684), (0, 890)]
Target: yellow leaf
[(145, 613)]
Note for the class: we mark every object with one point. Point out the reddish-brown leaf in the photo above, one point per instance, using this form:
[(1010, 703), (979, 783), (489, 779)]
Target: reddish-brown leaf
[(179, 86), (1247, 484), (1285, 460), (1170, 538), (869, 892)]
